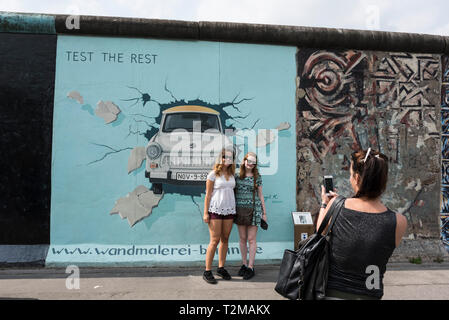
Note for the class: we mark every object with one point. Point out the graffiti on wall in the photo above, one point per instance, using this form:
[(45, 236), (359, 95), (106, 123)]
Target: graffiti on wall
[(445, 231), (445, 152), (171, 126), (127, 168), (350, 100)]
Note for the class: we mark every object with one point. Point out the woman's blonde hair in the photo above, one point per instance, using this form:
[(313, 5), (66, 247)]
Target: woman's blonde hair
[(219, 162), (242, 166)]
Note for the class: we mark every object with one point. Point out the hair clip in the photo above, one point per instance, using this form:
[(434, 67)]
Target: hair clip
[(367, 154)]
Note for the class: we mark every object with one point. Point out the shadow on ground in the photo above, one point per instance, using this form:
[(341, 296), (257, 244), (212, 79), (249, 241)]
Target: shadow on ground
[(263, 273)]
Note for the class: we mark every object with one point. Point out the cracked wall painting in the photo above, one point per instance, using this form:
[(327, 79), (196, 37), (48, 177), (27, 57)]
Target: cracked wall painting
[(115, 98), (349, 100), (445, 152)]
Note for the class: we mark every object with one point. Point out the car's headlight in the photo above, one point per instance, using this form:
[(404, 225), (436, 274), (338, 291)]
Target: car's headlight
[(154, 151)]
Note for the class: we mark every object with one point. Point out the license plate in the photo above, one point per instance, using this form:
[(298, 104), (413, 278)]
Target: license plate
[(191, 176)]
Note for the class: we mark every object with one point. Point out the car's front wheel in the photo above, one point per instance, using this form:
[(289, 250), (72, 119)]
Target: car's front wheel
[(157, 188)]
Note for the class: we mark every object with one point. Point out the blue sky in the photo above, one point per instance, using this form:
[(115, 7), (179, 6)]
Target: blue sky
[(386, 15)]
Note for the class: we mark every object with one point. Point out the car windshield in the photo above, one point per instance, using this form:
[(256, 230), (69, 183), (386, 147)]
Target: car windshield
[(186, 121)]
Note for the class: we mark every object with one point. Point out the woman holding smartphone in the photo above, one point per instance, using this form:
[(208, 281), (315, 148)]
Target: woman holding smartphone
[(365, 233)]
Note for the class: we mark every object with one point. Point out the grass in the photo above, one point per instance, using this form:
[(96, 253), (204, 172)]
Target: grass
[(414, 260)]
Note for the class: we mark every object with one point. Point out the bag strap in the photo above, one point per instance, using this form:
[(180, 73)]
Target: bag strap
[(334, 210), (337, 210)]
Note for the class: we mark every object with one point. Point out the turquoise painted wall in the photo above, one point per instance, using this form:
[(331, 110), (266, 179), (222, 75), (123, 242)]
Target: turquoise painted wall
[(27, 23), (88, 177)]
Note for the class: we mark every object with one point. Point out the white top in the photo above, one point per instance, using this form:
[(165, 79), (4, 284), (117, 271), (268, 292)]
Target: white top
[(222, 200)]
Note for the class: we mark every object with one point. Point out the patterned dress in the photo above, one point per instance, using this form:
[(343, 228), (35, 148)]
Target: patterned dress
[(244, 196)]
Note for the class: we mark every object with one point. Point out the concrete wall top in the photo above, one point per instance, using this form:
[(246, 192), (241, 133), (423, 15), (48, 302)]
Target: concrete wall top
[(311, 37)]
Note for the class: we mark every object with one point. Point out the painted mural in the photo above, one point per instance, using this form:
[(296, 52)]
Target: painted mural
[(137, 126), (347, 100), (445, 152)]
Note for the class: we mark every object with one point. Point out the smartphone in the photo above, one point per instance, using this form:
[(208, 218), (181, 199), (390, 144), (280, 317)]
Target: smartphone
[(328, 184)]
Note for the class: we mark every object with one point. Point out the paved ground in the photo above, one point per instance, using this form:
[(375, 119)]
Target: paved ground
[(402, 282)]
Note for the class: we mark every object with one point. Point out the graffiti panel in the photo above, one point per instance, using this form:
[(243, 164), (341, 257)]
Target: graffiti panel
[(444, 122), (445, 173), (445, 152), (349, 100), (445, 200), (445, 147), (445, 69), (445, 231)]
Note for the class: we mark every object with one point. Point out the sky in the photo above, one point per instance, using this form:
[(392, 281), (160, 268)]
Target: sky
[(428, 17)]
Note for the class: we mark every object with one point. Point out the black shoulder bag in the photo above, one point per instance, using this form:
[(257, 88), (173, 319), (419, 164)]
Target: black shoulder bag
[(303, 273)]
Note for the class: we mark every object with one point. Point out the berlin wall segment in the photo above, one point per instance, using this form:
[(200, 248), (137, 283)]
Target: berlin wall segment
[(390, 101), (344, 99), (27, 87), (350, 99)]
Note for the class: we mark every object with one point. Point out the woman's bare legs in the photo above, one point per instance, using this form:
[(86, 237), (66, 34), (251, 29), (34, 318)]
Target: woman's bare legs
[(243, 235), (252, 234), (215, 231), (224, 239)]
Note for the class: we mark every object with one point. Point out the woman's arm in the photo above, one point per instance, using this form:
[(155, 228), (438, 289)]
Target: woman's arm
[(262, 201), (209, 189), (323, 211), (401, 227)]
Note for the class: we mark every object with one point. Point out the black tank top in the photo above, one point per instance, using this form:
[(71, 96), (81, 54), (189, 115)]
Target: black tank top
[(360, 239)]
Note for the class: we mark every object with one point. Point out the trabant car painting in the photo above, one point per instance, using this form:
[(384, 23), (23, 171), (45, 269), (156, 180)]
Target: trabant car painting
[(186, 146)]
